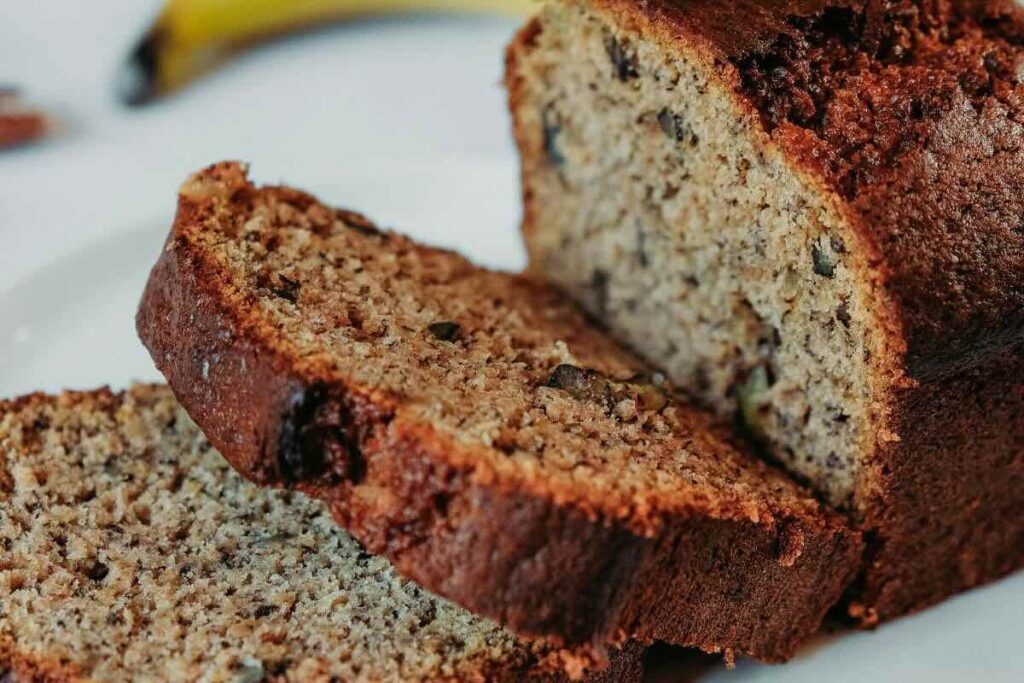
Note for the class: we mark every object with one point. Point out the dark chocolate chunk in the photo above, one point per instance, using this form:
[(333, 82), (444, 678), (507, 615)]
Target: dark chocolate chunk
[(300, 454), (624, 63), (445, 330), (98, 571), (317, 434)]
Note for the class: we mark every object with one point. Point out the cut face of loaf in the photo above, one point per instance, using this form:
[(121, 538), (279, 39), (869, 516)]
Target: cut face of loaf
[(132, 551), (808, 214), (473, 427)]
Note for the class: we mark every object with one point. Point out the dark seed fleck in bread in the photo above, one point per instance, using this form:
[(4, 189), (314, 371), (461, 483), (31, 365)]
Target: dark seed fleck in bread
[(132, 551), (473, 427), (808, 213)]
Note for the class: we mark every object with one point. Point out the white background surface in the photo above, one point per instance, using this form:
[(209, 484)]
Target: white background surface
[(402, 120)]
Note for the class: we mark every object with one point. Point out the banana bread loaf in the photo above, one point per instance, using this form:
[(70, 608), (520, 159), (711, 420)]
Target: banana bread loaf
[(809, 213), (473, 427), (132, 552)]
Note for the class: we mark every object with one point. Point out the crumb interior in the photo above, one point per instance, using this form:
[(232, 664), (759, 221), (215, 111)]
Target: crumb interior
[(490, 359), (650, 202), (131, 551)]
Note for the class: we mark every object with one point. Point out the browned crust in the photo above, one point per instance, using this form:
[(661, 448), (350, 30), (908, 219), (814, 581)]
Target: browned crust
[(949, 515), (577, 577), (941, 501), (20, 666)]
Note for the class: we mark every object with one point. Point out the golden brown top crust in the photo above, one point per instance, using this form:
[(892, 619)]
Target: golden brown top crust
[(912, 112)]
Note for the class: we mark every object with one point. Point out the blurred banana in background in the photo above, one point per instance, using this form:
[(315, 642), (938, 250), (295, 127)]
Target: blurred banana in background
[(191, 37)]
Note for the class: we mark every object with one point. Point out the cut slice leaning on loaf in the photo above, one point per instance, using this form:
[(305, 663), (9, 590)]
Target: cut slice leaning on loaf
[(474, 428), (809, 214), (133, 552)]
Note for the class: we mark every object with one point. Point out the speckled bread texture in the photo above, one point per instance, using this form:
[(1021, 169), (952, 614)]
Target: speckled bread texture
[(133, 552), (809, 214), (474, 428)]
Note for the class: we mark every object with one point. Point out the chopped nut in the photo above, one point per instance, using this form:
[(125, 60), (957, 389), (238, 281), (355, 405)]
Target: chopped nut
[(625, 66), (589, 385), (552, 130)]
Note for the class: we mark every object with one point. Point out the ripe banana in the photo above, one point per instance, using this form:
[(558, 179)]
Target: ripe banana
[(193, 36)]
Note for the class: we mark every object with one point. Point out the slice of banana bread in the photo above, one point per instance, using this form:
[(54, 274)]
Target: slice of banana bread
[(808, 213), (132, 552), (473, 427)]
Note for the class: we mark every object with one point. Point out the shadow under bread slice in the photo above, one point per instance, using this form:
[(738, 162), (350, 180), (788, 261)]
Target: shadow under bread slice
[(477, 430), (132, 551)]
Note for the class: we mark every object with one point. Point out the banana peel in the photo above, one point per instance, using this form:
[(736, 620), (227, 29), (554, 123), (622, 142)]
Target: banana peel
[(191, 37)]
